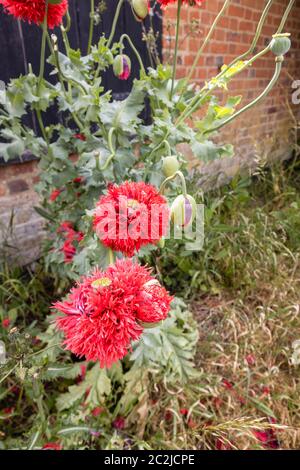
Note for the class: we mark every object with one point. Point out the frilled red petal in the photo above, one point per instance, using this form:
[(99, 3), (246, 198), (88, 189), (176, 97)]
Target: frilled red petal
[(126, 228), (33, 11), (102, 314)]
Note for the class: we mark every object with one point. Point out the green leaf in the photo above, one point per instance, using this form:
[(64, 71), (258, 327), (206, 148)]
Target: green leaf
[(96, 382), (169, 348), (68, 371), (44, 213)]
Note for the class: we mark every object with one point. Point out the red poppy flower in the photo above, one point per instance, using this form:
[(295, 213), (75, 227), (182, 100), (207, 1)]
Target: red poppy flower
[(97, 411), (130, 216), (34, 11), (55, 193), (8, 410), (52, 446), (103, 313), (250, 358), (80, 137), (6, 322), (78, 180), (69, 251), (68, 248), (267, 438), (227, 384), (165, 3), (65, 226), (119, 423)]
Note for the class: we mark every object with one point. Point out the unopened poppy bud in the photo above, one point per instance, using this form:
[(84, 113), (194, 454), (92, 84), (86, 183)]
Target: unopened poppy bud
[(280, 44), (170, 165), (122, 66), (140, 9), (183, 210)]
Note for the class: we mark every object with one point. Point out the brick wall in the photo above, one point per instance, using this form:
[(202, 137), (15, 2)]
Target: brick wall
[(264, 129), (20, 226), (253, 134)]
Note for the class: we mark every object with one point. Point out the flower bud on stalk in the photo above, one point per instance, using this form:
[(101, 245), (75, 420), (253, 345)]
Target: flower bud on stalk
[(140, 9), (170, 165), (122, 67), (280, 44), (183, 210)]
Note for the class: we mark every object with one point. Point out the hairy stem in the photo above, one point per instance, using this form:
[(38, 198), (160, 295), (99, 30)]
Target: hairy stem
[(171, 178), (285, 16), (111, 257), (125, 36), (267, 90), (115, 21), (208, 37), (43, 48), (256, 36), (92, 22), (176, 46), (196, 102), (111, 148)]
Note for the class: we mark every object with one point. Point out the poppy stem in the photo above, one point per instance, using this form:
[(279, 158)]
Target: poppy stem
[(171, 178), (125, 36), (111, 148), (176, 46), (115, 21), (279, 61), (43, 49), (92, 22), (207, 39), (111, 256)]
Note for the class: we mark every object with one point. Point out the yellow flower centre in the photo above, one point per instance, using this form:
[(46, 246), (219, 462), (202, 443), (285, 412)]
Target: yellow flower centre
[(133, 203), (101, 282)]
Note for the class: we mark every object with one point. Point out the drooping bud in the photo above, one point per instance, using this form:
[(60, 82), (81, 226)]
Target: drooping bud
[(122, 66), (280, 44), (183, 210), (170, 165), (140, 9)]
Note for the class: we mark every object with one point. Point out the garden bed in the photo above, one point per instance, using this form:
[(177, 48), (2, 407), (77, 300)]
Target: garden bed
[(245, 395)]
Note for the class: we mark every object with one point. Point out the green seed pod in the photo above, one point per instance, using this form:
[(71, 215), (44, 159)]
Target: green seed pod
[(170, 165), (280, 44), (140, 9), (183, 210), (122, 66)]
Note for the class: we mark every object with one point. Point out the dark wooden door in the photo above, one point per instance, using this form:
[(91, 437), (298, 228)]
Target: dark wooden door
[(20, 42)]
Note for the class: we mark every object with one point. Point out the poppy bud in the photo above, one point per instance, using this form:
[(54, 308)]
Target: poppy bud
[(140, 9), (170, 165), (122, 66), (280, 44), (183, 210)]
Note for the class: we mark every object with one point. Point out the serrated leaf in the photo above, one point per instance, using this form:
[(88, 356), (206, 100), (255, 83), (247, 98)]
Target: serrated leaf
[(96, 382)]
